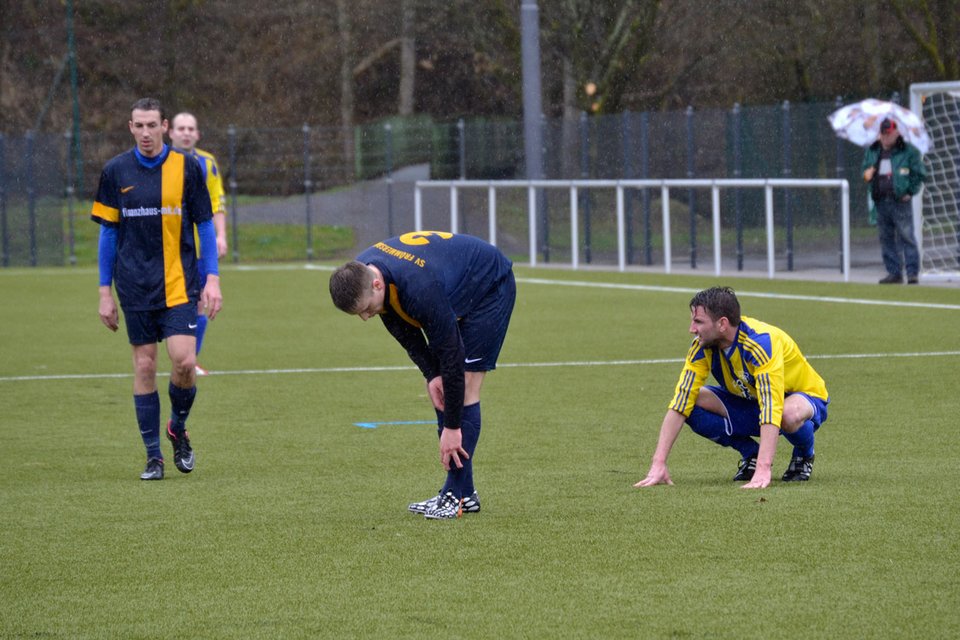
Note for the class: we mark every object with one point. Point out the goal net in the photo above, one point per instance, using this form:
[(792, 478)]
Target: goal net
[(937, 213)]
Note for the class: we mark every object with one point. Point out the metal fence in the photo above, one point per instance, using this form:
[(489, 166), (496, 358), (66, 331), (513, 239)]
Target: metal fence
[(364, 178), (536, 190)]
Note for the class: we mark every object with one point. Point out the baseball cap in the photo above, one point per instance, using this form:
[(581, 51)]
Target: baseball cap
[(887, 125)]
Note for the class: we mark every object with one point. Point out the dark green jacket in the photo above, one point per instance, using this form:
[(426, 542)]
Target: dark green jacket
[(908, 170)]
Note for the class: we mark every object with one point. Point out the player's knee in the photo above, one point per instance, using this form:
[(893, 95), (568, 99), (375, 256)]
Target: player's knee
[(184, 364), (144, 366), (793, 418)]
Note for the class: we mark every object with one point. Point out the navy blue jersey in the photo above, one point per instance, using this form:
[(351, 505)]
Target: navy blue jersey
[(154, 203), (433, 280)]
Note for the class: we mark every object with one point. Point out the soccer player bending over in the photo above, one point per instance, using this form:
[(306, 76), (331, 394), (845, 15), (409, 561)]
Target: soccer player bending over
[(766, 388), (147, 204), (447, 299)]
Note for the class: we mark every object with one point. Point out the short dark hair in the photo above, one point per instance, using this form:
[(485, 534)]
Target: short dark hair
[(718, 302), (348, 284), (149, 104)]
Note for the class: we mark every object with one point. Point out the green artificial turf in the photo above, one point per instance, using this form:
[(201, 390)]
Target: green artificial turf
[(294, 524)]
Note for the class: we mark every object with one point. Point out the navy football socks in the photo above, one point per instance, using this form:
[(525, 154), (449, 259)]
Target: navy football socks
[(148, 419), (460, 481), (802, 440), (181, 400)]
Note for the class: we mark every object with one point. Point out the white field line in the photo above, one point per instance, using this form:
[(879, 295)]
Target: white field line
[(508, 365), (567, 283), (742, 294)]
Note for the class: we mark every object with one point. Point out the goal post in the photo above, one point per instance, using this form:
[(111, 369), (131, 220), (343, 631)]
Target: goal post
[(937, 212)]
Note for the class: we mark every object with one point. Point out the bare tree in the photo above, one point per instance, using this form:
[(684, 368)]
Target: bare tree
[(408, 60), (602, 44), (934, 26)]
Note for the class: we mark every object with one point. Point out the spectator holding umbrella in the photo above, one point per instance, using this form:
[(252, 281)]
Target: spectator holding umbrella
[(894, 171)]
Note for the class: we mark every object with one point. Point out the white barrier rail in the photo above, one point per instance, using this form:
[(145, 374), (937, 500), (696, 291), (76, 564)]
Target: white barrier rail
[(665, 185)]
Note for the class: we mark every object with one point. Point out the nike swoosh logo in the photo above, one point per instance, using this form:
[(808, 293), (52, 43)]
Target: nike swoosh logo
[(472, 360), (126, 189), (191, 326)]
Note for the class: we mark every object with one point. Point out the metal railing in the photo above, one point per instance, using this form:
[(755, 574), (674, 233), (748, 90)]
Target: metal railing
[(532, 186)]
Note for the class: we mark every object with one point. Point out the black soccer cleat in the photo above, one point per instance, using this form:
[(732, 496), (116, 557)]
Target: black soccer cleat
[(799, 470), (470, 504), (745, 470), (448, 508), (182, 451), (153, 470)]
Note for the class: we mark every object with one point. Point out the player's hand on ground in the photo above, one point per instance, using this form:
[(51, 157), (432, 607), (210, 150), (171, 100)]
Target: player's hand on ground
[(658, 474), (109, 315), (435, 391), (451, 449), (761, 479), (211, 300)]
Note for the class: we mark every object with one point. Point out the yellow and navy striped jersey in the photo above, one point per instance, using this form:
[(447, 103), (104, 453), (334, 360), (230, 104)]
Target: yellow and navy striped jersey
[(762, 364), (154, 203), (434, 279)]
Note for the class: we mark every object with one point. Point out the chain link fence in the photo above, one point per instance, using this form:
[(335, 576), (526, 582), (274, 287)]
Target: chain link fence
[(360, 181)]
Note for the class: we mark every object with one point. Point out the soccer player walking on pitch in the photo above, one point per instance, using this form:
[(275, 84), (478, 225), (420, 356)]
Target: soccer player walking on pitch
[(766, 388), (447, 299), (184, 134), (147, 204)]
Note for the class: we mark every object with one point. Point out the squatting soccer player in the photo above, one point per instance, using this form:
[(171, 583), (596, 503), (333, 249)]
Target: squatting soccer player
[(766, 388), (147, 204), (447, 299), (184, 134)]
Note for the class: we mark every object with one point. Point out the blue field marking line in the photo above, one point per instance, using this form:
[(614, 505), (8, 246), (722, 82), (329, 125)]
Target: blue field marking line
[(374, 425)]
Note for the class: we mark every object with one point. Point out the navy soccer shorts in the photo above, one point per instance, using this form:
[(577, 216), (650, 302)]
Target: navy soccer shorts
[(485, 328), (744, 415), (148, 327)]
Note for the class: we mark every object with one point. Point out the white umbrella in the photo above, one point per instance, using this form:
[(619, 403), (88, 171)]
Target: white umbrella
[(860, 123)]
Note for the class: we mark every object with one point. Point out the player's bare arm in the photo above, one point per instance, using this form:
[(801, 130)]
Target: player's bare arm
[(451, 449), (435, 391), (211, 300), (108, 309), (220, 224), (669, 430), (769, 434)]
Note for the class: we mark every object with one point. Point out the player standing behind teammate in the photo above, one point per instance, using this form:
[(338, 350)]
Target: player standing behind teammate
[(147, 204), (447, 299), (184, 133), (767, 388)]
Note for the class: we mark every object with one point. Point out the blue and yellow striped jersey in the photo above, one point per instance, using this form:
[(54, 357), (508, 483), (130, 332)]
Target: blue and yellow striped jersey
[(762, 364), (154, 203), (211, 173)]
